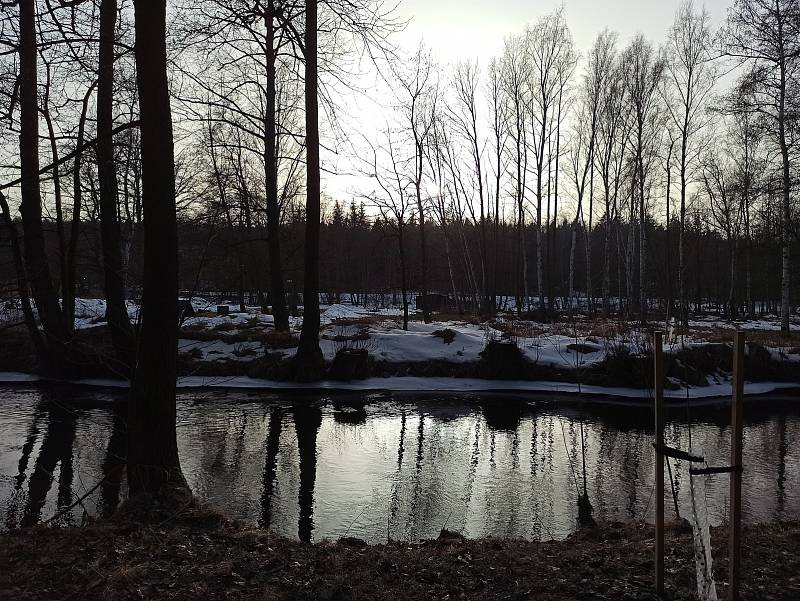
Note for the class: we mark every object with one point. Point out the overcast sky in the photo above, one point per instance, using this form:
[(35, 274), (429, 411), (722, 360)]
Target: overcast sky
[(472, 28), (476, 29)]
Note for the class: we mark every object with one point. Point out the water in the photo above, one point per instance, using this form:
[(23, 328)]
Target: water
[(379, 467)]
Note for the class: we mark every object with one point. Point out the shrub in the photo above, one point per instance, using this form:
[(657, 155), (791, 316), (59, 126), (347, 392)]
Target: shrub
[(447, 335), (502, 360)]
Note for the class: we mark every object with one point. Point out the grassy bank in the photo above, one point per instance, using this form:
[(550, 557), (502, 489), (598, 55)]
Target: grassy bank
[(212, 559)]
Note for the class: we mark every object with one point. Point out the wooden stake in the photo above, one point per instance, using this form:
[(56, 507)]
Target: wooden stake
[(658, 385), (735, 536)]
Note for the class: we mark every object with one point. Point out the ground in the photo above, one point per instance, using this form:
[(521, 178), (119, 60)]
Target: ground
[(213, 559)]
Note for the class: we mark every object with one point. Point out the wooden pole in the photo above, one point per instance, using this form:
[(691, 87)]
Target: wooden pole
[(658, 386), (735, 536)]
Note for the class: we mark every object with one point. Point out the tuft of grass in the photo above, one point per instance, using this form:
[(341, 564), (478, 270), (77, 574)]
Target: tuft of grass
[(277, 339)]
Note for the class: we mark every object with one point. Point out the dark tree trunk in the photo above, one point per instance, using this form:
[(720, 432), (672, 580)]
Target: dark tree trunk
[(116, 310), (75, 226), (62, 243), (153, 462), (309, 361), (22, 281), (38, 269), (277, 292)]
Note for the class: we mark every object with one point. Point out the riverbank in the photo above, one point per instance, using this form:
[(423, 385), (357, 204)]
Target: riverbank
[(371, 352), (209, 558), (410, 385)]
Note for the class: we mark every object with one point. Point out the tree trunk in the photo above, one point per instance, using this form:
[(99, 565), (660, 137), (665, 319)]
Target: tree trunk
[(786, 209), (36, 264), (607, 251), (119, 324), (153, 462), (642, 241), (732, 244), (309, 360), (403, 276), (22, 280), (62, 243), (277, 292), (75, 225)]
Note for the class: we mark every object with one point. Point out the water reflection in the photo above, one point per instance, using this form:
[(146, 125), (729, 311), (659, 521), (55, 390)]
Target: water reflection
[(307, 420), (399, 469), (270, 465), (113, 468), (55, 451)]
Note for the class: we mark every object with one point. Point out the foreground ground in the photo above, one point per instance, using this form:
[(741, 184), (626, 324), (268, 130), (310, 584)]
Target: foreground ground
[(213, 560)]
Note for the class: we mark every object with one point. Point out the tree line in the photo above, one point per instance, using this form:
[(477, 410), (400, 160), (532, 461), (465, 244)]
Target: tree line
[(644, 149)]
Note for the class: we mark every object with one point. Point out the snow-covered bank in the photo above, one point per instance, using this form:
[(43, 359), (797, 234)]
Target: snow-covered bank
[(411, 384)]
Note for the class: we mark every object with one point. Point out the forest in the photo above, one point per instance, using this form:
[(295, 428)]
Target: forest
[(646, 177)]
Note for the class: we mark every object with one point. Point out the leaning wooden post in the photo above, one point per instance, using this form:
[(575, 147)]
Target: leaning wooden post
[(658, 386), (735, 535)]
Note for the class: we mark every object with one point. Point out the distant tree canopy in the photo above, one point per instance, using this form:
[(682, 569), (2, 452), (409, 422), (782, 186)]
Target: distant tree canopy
[(631, 175)]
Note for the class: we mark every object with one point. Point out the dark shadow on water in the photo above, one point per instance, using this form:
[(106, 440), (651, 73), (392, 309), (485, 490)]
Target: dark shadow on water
[(307, 421), (503, 415), (113, 468), (270, 465), (56, 450), (349, 412), (12, 512)]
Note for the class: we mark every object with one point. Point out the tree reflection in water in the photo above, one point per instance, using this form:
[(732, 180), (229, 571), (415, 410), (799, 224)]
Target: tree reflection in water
[(307, 421)]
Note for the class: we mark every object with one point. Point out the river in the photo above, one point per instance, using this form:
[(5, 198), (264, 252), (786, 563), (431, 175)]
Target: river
[(385, 466)]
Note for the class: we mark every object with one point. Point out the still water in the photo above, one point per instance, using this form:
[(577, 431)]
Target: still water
[(381, 466)]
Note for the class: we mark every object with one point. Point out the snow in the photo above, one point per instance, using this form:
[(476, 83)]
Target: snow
[(378, 331), (10, 377), (211, 350), (418, 344), (340, 311), (768, 323)]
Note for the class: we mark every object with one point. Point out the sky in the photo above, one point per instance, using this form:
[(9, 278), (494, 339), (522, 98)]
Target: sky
[(470, 28), (473, 29)]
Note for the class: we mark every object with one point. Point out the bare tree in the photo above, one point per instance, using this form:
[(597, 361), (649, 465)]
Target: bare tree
[(645, 70), (690, 77), (465, 116), (393, 201), (765, 34), (36, 264), (612, 139), (153, 462), (499, 129), (419, 108), (516, 70), (116, 309), (550, 50), (309, 360)]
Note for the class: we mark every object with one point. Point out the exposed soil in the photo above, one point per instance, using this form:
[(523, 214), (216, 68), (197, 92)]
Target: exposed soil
[(212, 559)]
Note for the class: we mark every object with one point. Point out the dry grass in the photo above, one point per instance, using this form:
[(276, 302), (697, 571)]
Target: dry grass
[(213, 560), (771, 338), (365, 321)]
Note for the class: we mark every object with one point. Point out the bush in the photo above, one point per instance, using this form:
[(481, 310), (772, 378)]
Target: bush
[(275, 339), (503, 361), (447, 335), (350, 364)]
